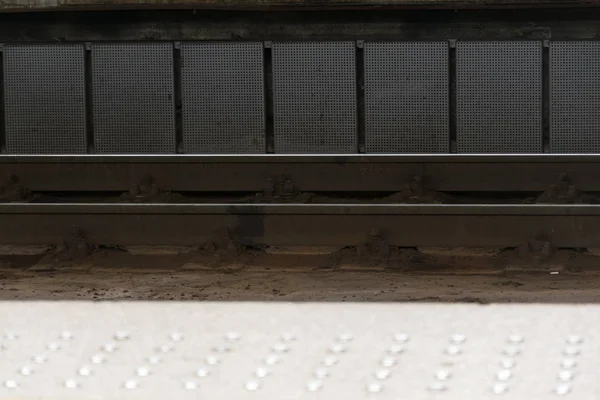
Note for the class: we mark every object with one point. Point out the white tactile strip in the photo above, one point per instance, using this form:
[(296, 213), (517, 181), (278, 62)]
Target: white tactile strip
[(281, 351)]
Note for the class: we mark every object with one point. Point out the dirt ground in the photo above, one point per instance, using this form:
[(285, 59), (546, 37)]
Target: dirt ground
[(436, 276)]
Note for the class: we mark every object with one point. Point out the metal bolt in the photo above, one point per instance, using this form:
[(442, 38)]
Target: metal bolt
[(53, 346), (511, 351), (515, 339), (109, 347), (330, 361), (321, 373), (281, 348), (442, 375), (131, 384), (568, 363), (565, 375), (121, 335), (190, 385), (503, 375), (10, 384), (40, 359), (453, 350), (458, 338), (26, 371), (382, 373), (212, 360), (261, 372), (388, 361), (374, 387), (98, 359), (66, 335), (337, 348), (437, 387), (499, 388), (222, 348), (272, 359), (562, 388), (288, 337), (202, 373), (85, 371), (252, 386), (345, 337), (176, 336), (142, 371), (314, 386), (572, 351), (233, 336), (71, 384), (507, 363), (395, 349), (155, 360), (401, 337), (574, 339)]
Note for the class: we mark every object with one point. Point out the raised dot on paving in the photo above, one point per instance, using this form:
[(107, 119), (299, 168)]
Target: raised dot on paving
[(388, 361), (574, 339), (565, 375), (26, 371), (507, 363), (53, 346), (71, 384), (233, 336), (131, 384), (512, 351), (190, 385), (40, 359), (176, 336), (98, 359), (516, 339), (374, 387), (11, 335), (261, 372), (442, 375), (142, 371), (109, 347), (499, 388), (503, 375), (11, 384), (314, 386), (202, 373), (562, 388), (321, 373), (85, 371), (345, 337), (437, 387), (572, 351), (568, 363), (155, 359), (288, 337), (401, 337), (121, 335), (330, 361), (252, 386), (453, 350), (272, 359), (66, 335), (458, 338)]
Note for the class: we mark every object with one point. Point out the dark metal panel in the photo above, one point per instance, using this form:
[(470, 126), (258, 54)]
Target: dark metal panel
[(223, 97), (499, 97), (44, 99), (314, 94), (133, 98), (574, 97), (406, 97)]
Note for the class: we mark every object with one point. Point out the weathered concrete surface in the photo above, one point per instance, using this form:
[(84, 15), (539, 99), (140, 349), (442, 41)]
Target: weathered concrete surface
[(39, 5)]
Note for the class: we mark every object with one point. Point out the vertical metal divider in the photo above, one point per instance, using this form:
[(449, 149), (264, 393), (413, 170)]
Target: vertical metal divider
[(88, 83), (546, 97), (360, 97), (268, 97), (177, 93), (2, 113), (452, 106)]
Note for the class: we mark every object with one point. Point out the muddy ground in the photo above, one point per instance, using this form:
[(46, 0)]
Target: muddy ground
[(181, 274)]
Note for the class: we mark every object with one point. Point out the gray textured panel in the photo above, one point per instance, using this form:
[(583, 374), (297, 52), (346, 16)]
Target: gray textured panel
[(314, 97), (406, 97), (133, 98), (270, 351), (499, 97), (575, 97), (44, 97), (223, 97)]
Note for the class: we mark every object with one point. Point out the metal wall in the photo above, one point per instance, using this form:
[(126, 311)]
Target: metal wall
[(301, 97)]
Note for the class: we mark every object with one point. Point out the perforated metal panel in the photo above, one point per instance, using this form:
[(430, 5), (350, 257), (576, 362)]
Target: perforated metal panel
[(283, 351), (223, 97), (499, 97), (575, 97), (44, 97), (314, 97), (406, 97), (133, 98)]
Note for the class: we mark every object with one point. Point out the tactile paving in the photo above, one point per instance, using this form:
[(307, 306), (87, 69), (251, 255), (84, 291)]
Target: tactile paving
[(407, 97), (574, 97), (44, 98), (236, 350), (223, 97), (133, 98), (499, 97), (314, 97)]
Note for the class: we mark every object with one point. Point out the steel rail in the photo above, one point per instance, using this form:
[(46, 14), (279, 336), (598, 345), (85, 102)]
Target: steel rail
[(302, 225), (309, 173)]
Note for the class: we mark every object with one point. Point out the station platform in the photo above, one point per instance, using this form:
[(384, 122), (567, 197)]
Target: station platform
[(239, 350)]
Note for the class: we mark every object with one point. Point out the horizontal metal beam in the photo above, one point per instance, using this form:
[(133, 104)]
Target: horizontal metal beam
[(58, 5), (310, 173), (301, 225)]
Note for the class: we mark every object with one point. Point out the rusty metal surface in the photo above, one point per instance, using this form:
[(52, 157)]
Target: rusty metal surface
[(301, 225), (325, 173), (42, 5)]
